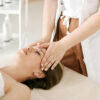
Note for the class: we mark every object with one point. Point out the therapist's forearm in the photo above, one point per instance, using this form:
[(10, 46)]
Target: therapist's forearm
[(49, 13), (90, 26)]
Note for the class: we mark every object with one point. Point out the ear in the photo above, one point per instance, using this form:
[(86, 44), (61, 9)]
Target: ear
[(39, 74)]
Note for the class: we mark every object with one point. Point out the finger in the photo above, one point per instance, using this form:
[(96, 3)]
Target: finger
[(34, 44), (44, 60), (54, 65), (30, 48), (43, 53), (45, 45), (38, 44), (49, 60), (50, 64)]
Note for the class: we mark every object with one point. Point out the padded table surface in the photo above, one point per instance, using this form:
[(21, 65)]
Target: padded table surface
[(73, 86)]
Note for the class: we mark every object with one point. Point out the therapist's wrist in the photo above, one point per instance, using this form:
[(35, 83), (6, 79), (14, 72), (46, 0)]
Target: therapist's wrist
[(64, 44), (46, 38)]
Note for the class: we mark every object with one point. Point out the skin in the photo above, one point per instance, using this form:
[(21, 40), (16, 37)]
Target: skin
[(49, 14), (56, 50), (49, 18), (14, 90), (24, 66)]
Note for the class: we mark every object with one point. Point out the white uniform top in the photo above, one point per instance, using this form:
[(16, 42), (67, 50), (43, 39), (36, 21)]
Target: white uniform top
[(1, 85), (71, 9), (90, 46)]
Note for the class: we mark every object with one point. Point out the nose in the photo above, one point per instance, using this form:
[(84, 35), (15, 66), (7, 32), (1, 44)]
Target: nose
[(25, 50)]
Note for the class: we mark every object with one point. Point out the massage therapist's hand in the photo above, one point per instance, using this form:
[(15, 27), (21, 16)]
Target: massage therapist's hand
[(54, 54), (39, 42)]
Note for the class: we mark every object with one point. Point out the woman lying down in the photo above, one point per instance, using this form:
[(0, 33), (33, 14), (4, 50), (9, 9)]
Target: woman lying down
[(25, 70)]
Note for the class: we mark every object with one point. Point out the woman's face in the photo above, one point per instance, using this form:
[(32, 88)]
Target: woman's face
[(29, 63)]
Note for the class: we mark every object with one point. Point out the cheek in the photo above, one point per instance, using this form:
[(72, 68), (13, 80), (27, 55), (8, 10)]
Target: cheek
[(35, 59), (30, 62), (34, 62), (19, 58)]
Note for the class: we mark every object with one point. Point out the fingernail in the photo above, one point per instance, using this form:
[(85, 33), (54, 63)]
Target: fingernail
[(46, 69), (38, 43), (42, 65), (42, 69), (52, 68)]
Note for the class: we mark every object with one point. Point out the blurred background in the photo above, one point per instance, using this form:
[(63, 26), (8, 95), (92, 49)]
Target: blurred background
[(15, 31)]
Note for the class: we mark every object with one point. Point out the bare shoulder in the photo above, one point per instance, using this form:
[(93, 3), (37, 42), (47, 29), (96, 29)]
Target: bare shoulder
[(10, 83)]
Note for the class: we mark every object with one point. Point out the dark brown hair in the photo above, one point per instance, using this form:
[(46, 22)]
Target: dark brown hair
[(52, 77)]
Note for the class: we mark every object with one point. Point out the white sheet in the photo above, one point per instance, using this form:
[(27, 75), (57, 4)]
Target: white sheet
[(72, 87), (1, 85)]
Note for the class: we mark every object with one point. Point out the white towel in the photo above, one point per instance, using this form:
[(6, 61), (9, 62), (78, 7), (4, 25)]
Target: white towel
[(1, 86)]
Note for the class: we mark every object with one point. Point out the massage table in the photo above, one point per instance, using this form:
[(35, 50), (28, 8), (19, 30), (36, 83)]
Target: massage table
[(73, 86)]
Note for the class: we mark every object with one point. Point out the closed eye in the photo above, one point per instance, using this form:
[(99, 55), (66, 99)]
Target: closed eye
[(37, 52)]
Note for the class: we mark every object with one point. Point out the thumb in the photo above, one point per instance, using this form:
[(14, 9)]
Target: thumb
[(33, 44), (44, 45)]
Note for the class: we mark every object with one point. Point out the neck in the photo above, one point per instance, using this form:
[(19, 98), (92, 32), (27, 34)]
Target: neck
[(14, 72)]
